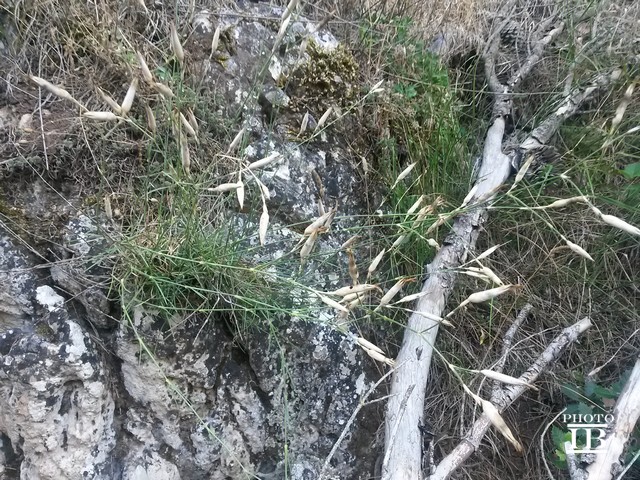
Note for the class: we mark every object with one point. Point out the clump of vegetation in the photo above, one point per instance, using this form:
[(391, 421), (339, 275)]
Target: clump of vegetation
[(328, 79)]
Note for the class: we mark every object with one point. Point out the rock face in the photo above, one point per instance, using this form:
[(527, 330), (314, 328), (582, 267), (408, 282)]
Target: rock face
[(93, 389)]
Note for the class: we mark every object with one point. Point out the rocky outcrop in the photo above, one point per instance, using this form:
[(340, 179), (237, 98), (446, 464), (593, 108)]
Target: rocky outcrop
[(95, 386)]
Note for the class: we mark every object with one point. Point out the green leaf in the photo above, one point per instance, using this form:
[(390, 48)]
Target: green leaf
[(574, 392), (631, 171), (557, 436)]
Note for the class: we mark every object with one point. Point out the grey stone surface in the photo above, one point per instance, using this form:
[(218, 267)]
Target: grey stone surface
[(89, 392)]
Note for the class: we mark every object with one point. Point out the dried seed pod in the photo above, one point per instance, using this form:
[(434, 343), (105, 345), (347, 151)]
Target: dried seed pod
[(280, 35), (416, 204), (380, 357), (144, 68), (578, 249), (264, 224), (377, 88), (349, 242), (434, 318), (216, 40), (317, 223), (263, 162), (393, 291), (225, 187), (266, 195), (323, 119), (367, 345), (433, 243), (404, 174), (486, 295), (487, 252), (164, 90), (364, 287), (240, 191), (176, 46), (151, 119), (333, 304), (412, 297), (399, 241), (308, 245), (353, 267), (502, 378), (107, 207), (110, 101), (236, 140), (617, 222), (558, 203), (56, 90), (187, 126), (469, 196), (185, 156), (491, 275), (193, 121), (127, 103), (101, 116), (376, 261), (304, 124)]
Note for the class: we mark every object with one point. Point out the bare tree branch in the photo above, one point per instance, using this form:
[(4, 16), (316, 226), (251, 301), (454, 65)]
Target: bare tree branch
[(404, 459), (459, 454)]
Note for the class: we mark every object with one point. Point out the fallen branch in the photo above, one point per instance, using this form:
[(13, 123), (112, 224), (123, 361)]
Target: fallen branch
[(472, 441), (403, 447), (625, 414)]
